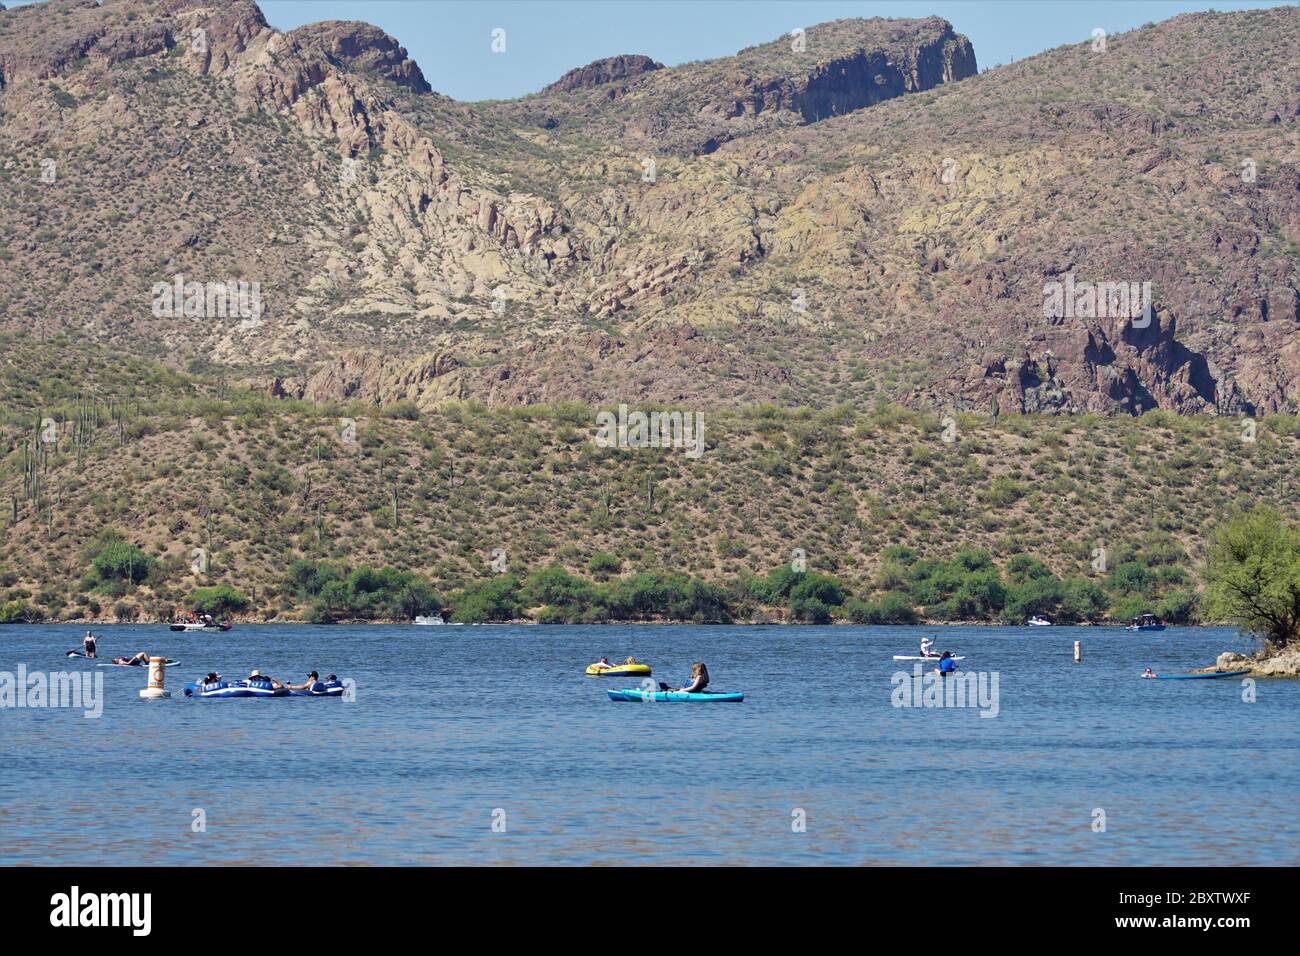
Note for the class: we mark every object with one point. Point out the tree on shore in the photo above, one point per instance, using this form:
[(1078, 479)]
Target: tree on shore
[(1253, 576)]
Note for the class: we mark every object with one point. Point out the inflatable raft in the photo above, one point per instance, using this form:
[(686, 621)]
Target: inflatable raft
[(619, 670), (236, 688), (322, 688), (675, 696), (261, 688)]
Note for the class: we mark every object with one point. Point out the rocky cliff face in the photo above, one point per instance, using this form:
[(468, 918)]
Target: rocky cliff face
[(603, 72), (829, 70), (866, 76)]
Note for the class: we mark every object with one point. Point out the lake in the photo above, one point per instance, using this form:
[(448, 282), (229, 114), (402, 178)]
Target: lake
[(488, 745)]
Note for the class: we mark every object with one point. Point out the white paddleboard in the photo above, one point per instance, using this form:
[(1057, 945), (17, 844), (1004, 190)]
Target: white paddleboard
[(141, 666)]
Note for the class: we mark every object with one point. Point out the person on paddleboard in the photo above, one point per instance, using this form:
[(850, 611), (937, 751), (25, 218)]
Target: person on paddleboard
[(947, 666), (88, 643), (140, 658), (927, 647)]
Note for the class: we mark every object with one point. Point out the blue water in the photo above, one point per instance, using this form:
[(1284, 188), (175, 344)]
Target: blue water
[(455, 727)]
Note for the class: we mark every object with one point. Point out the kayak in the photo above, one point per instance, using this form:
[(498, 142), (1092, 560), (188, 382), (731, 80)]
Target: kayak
[(904, 657), (674, 696), (168, 663), (619, 670), (1199, 676)]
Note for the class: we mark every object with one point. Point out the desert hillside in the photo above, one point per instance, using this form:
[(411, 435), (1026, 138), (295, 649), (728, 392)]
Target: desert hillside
[(173, 465)]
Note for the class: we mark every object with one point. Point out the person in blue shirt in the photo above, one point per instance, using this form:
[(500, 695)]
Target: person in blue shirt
[(947, 665)]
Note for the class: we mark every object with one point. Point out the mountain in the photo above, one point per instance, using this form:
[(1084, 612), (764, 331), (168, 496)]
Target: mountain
[(850, 214)]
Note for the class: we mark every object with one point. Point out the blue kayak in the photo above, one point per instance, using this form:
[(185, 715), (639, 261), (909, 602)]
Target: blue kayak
[(1201, 676), (673, 696)]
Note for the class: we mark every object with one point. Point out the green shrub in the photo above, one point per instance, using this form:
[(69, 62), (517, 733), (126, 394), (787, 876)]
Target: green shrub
[(17, 612), (218, 601), (603, 563), (118, 560), (496, 599)]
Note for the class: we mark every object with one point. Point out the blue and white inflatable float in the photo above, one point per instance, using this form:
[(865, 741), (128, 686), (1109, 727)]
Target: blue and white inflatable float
[(260, 687)]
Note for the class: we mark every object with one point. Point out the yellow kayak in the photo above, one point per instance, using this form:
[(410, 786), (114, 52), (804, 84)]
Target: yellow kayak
[(619, 670)]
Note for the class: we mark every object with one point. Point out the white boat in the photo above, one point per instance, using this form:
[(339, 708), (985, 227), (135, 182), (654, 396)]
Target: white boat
[(194, 626), (424, 621), (1037, 621)]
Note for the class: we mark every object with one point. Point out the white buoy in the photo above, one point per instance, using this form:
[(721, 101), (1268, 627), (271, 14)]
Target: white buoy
[(157, 672), (1078, 653)]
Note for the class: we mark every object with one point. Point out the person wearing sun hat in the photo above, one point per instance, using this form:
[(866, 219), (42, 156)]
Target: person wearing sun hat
[(258, 675)]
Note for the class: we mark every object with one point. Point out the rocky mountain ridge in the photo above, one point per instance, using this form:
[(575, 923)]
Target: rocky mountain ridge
[(842, 215)]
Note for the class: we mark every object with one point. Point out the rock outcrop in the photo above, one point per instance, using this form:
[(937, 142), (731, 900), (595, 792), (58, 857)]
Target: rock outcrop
[(863, 77), (367, 50), (601, 72), (1284, 663), (611, 69), (831, 70), (362, 376)]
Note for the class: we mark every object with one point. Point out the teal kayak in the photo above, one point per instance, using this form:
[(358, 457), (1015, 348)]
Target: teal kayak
[(669, 696), (1202, 676)]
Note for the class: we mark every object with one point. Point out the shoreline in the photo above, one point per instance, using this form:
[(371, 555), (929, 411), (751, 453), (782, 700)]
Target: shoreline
[(526, 622)]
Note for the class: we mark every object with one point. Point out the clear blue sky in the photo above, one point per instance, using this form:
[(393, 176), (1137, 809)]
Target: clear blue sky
[(451, 39)]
